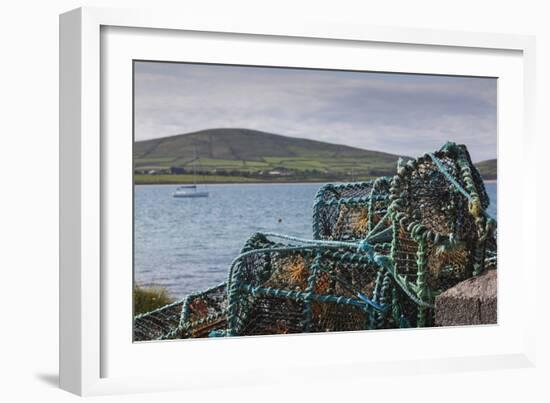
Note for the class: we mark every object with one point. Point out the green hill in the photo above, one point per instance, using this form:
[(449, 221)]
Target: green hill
[(488, 169), (256, 156)]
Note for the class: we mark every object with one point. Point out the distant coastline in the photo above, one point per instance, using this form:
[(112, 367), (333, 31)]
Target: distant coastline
[(188, 179)]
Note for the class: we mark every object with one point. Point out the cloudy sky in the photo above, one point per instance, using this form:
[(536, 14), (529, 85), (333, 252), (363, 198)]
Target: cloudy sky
[(397, 113)]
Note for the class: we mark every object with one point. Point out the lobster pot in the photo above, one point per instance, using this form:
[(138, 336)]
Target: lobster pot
[(195, 316), (203, 313), (349, 211), (158, 323), (440, 234), (305, 290)]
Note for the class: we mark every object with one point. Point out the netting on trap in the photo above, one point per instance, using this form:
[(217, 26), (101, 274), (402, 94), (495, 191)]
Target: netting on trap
[(195, 316), (350, 211), (284, 288), (158, 323)]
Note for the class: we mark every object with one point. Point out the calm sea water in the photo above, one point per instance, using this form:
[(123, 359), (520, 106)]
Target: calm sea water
[(186, 245)]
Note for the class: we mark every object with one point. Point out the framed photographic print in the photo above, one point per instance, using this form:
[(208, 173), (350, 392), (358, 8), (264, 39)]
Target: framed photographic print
[(226, 242), (306, 196)]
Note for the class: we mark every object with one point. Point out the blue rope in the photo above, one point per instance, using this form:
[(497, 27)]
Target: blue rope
[(304, 296)]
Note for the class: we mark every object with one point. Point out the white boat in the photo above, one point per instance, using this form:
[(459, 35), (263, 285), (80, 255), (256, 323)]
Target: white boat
[(190, 190), (186, 191)]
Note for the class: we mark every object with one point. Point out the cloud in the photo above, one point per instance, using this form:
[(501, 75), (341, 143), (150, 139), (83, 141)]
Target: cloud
[(398, 113)]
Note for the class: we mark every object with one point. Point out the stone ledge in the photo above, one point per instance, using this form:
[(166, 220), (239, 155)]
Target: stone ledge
[(471, 302)]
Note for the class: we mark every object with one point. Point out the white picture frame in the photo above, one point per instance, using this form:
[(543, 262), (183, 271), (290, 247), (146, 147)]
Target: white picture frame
[(96, 355)]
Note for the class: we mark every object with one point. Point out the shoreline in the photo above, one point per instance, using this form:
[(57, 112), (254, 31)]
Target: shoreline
[(242, 182), (178, 180), (260, 182)]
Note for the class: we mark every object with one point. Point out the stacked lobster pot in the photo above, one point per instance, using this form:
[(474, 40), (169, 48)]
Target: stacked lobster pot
[(295, 288), (441, 232), (382, 250), (360, 212), (350, 211)]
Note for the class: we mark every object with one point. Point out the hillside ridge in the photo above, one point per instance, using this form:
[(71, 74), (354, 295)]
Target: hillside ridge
[(240, 144), (487, 168)]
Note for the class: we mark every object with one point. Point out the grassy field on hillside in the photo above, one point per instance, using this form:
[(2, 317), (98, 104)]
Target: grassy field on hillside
[(357, 165), (488, 169), (186, 179)]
